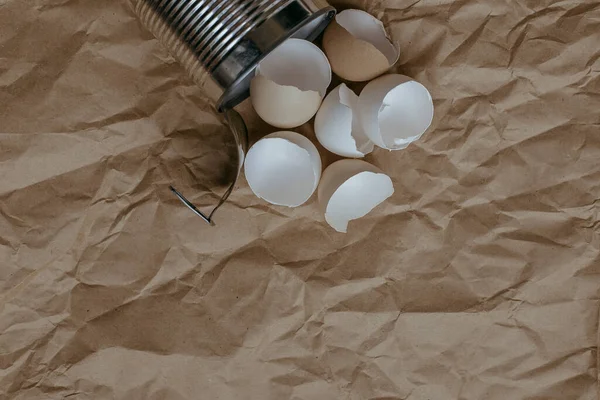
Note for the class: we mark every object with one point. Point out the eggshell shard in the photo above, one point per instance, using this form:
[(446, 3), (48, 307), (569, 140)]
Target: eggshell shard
[(358, 46), (366, 27), (395, 111), (283, 106), (303, 142), (283, 168), (290, 84), (350, 189), (337, 125)]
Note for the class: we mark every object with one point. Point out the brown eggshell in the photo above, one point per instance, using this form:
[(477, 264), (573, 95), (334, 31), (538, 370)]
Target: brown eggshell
[(352, 59)]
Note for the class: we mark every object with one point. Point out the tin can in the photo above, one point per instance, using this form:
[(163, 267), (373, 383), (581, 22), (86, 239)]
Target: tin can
[(221, 42)]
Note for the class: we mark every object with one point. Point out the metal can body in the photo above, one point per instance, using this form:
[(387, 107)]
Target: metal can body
[(220, 42)]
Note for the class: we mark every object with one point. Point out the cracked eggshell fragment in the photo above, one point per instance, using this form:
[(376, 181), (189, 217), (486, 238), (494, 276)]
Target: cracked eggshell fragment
[(337, 126), (290, 84), (283, 168), (358, 46), (395, 111), (350, 189)]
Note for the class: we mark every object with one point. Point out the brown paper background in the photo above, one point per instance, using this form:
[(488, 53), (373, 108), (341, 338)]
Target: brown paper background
[(478, 279)]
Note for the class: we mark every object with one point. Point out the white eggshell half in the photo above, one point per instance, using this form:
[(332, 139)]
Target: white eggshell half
[(283, 168), (283, 106), (350, 189), (290, 84), (364, 26), (395, 111), (297, 63), (337, 125), (303, 142)]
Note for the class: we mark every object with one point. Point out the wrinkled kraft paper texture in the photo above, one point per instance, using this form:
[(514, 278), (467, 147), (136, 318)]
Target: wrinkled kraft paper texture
[(478, 279)]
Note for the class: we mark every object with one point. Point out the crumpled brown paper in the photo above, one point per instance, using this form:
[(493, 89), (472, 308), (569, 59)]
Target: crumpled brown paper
[(479, 279)]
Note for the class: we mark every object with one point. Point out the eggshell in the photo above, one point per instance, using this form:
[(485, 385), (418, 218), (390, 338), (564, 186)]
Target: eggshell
[(303, 142), (290, 84), (395, 111), (350, 189), (337, 125), (283, 106), (358, 46), (283, 168)]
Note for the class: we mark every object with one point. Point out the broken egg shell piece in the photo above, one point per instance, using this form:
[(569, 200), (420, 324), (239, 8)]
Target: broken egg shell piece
[(283, 168), (395, 111), (297, 63), (358, 46), (337, 126), (290, 84), (283, 106), (303, 142), (366, 27), (350, 189)]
